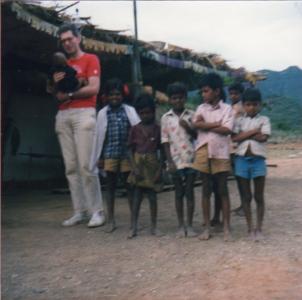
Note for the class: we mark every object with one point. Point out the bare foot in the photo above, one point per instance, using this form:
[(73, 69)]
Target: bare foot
[(110, 227), (132, 234), (259, 236), (154, 231), (205, 235), (227, 236), (191, 232), (181, 233)]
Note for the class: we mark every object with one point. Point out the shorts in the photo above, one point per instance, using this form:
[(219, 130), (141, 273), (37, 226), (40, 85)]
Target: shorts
[(117, 165), (204, 164), (250, 167)]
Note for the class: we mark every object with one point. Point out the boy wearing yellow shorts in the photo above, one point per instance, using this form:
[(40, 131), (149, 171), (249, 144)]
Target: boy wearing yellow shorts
[(214, 122)]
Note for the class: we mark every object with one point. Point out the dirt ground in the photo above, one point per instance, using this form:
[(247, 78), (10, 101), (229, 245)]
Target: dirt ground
[(42, 260)]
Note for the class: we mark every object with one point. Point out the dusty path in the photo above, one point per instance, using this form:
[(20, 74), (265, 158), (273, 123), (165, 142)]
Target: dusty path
[(41, 260)]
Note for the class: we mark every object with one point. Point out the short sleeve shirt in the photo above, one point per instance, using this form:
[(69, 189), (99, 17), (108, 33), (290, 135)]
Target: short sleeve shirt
[(86, 66), (144, 139), (181, 143), (115, 146), (246, 123), (218, 144)]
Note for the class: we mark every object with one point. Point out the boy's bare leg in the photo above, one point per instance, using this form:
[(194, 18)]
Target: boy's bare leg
[(239, 210), (137, 200), (111, 184), (206, 195), (130, 193), (189, 192), (245, 186), (153, 211), (224, 195), (259, 183), (179, 195), (217, 204)]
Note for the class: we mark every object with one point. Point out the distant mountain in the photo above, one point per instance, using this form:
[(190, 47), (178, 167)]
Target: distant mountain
[(286, 83), (282, 94)]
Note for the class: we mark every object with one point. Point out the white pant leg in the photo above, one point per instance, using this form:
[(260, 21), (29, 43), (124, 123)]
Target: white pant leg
[(65, 135), (84, 122)]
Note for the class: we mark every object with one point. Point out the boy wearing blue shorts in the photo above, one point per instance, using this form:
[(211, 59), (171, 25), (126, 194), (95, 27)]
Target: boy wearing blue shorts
[(251, 132)]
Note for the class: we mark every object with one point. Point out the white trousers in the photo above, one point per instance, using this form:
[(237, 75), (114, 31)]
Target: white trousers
[(75, 129)]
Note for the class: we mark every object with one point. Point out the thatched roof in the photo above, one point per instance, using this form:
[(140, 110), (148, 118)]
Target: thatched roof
[(31, 31)]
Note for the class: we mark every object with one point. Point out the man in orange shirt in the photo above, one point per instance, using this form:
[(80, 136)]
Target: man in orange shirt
[(75, 127)]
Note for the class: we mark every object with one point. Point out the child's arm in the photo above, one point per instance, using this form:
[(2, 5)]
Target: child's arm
[(130, 153), (166, 144), (171, 165), (199, 123), (265, 131), (222, 130), (162, 161), (191, 131), (133, 165), (260, 137), (245, 135), (205, 125), (226, 124)]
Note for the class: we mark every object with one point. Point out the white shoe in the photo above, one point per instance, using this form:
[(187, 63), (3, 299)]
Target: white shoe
[(97, 219), (74, 220)]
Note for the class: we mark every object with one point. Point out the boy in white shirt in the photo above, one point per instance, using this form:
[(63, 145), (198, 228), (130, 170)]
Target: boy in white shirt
[(251, 131)]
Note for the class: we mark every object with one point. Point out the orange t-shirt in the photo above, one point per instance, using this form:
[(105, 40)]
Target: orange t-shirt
[(87, 65)]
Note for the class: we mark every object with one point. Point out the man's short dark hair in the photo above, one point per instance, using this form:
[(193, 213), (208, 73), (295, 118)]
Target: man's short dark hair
[(177, 88), (69, 27), (144, 101), (236, 87), (252, 95)]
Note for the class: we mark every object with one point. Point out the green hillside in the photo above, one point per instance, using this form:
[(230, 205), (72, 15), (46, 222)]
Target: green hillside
[(282, 94), (286, 116)]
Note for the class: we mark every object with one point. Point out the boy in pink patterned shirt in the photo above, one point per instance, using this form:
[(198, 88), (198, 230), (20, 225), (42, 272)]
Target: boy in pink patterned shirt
[(177, 136), (214, 122)]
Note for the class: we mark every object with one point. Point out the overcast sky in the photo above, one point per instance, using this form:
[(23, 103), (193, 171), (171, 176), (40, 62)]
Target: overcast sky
[(253, 34)]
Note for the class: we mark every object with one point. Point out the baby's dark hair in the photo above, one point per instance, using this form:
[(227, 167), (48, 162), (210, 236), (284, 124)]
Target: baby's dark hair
[(59, 59), (69, 27), (144, 101), (236, 87), (114, 84), (251, 94), (177, 88), (214, 81)]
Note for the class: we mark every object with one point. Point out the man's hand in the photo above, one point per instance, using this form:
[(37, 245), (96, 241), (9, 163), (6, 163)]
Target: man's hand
[(58, 76), (62, 97)]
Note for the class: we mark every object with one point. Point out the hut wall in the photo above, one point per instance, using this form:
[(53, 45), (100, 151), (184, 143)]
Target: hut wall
[(30, 128)]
